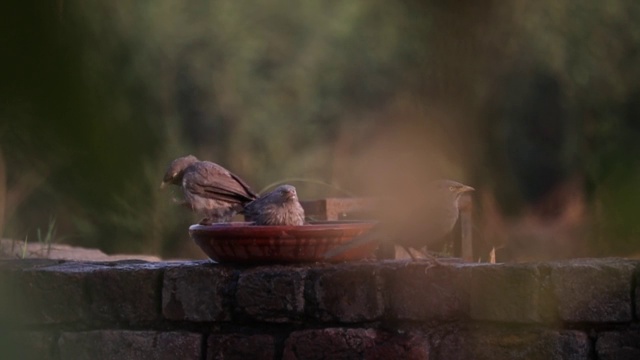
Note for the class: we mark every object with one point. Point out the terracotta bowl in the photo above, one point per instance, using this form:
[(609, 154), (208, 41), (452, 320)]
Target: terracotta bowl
[(242, 242)]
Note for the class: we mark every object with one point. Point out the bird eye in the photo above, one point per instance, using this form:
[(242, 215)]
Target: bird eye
[(452, 188)]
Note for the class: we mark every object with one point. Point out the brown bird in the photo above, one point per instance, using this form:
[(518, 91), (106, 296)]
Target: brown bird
[(440, 216), (209, 188), (278, 207)]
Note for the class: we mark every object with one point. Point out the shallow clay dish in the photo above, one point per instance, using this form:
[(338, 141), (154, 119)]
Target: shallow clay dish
[(242, 242)]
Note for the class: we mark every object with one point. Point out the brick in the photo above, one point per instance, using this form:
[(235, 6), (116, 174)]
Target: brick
[(510, 293), (346, 294), (498, 344), (274, 293), (636, 291), (622, 345), (198, 292), (126, 293), (593, 290), (130, 345), (419, 291), (240, 347), (12, 309), (27, 264), (27, 345), (338, 343), (395, 346), (54, 294)]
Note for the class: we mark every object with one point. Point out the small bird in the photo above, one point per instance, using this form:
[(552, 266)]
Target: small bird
[(209, 188), (439, 217), (278, 207)]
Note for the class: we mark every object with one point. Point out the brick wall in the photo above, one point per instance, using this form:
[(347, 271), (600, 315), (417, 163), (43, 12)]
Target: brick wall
[(581, 309)]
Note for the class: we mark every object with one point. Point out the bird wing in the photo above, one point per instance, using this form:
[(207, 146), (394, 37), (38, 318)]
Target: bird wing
[(245, 186), (253, 208), (212, 181)]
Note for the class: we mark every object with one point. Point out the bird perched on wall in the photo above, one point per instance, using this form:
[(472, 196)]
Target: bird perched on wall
[(439, 216), (278, 207), (209, 188)]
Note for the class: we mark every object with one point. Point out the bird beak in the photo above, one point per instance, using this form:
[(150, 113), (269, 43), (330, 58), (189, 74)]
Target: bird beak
[(163, 185), (465, 188), (291, 195)]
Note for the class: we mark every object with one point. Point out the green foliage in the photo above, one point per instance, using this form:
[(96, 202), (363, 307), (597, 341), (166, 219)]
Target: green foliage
[(100, 96)]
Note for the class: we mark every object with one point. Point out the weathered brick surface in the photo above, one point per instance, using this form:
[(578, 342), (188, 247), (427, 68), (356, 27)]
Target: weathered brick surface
[(27, 264), (54, 294), (622, 345), (420, 291), (338, 343), (274, 293), (593, 290), (491, 344), (510, 293), (129, 345), (27, 345), (126, 293), (460, 311), (636, 291), (346, 293), (240, 347), (198, 291)]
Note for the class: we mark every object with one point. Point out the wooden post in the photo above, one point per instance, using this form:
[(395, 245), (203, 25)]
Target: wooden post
[(333, 209), (466, 228)]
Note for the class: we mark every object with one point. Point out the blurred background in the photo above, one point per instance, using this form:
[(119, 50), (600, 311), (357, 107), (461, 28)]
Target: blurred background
[(535, 104)]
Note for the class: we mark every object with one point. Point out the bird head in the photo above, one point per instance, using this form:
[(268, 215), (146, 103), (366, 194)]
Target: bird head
[(175, 171), (287, 192), (451, 188)]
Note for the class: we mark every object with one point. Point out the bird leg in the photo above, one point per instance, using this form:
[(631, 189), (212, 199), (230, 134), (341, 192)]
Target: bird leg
[(429, 256), (432, 259), (408, 250), (181, 202), (205, 221)]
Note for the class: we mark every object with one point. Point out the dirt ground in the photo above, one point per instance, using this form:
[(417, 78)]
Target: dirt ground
[(15, 249)]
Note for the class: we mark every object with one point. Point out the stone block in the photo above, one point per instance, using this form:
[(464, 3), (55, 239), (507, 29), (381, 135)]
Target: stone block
[(347, 293), (240, 347), (510, 293), (636, 291), (198, 292), (130, 345), (420, 291), (54, 294), (126, 293), (339, 343), (506, 344), (27, 264), (618, 345), (273, 293), (593, 290), (27, 345)]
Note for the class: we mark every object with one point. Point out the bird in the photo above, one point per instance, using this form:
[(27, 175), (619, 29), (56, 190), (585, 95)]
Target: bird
[(209, 188), (439, 216), (278, 207)]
